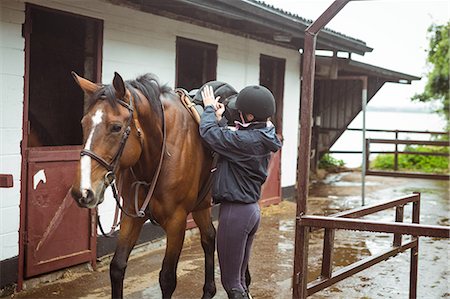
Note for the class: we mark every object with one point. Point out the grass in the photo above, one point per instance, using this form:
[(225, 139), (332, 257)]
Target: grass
[(412, 162), (327, 162)]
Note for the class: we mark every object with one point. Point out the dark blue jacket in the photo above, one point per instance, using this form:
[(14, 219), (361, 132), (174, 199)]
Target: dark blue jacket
[(244, 158)]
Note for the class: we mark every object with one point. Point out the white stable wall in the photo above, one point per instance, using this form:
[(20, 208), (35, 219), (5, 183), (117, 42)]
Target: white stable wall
[(134, 43), (11, 109)]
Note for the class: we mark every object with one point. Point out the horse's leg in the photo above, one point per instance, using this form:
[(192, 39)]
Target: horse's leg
[(208, 238), (175, 229), (130, 229)]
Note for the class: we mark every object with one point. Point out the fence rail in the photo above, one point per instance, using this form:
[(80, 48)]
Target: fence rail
[(343, 220), (324, 130), (396, 152)]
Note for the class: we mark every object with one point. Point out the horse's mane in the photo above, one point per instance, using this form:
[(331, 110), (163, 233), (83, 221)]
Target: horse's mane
[(148, 84)]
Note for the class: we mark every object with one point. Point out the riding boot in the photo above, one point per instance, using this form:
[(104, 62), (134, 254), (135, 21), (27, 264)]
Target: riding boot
[(236, 294)]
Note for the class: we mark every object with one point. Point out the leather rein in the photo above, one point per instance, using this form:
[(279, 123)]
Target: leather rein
[(111, 167)]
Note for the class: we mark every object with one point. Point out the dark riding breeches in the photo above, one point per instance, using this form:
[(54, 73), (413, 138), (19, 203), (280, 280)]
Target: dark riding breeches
[(238, 223)]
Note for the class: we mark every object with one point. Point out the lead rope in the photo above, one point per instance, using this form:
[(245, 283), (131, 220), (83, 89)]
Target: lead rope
[(116, 221)]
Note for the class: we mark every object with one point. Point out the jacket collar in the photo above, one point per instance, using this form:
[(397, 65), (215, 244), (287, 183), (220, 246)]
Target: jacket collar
[(251, 125)]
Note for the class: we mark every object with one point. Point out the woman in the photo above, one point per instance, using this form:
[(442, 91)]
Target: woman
[(241, 170)]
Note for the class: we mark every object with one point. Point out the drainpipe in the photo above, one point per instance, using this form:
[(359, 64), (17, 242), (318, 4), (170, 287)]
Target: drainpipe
[(304, 148), (364, 164), (364, 149)]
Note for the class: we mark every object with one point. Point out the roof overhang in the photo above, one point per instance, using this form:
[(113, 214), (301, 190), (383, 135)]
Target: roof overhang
[(249, 18), (335, 67)]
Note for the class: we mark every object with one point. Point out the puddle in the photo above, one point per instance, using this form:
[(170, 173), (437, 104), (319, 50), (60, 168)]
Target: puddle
[(286, 225), (342, 180), (271, 262)]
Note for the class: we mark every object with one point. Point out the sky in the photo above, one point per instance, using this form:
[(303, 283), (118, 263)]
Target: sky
[(395, 29)]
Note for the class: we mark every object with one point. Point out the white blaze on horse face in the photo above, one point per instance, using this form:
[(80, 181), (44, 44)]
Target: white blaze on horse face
[(85, 161)]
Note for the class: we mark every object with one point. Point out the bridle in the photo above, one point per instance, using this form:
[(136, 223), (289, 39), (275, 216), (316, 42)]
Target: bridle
[(111, 167)]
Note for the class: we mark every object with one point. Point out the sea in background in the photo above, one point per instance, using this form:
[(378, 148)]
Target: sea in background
[(386, 119)]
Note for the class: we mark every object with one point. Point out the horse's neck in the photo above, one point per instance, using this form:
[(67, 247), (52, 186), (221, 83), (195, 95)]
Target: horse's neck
[(151, 124)]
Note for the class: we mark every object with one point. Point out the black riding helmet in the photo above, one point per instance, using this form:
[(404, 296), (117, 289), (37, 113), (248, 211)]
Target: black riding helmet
[(256, 100), (227, 95), (222, 89)]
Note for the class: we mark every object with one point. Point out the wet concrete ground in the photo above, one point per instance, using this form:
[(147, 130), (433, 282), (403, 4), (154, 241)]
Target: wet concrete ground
[(272, 260)]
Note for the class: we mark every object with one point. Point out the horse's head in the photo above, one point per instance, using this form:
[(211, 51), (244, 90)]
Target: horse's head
[(111, 140)]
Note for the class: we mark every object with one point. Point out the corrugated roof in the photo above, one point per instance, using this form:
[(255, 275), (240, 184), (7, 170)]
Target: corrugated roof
[(298, 18), (250, 18)]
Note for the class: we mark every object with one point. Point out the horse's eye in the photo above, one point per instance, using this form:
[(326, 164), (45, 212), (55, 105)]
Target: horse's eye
[(116, 128)]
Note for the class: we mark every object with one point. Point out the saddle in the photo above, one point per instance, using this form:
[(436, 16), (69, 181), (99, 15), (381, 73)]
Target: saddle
[(193, 101)]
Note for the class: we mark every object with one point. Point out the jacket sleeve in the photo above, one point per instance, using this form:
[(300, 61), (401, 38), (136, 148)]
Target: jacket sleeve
[(220, 139)]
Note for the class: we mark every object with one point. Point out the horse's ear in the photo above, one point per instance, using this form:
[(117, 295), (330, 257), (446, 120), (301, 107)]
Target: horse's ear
[(119, 86), (87, 86)]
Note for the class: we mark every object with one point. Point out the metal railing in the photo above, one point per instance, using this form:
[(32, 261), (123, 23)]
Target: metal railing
[(348, 220), (396, 152)]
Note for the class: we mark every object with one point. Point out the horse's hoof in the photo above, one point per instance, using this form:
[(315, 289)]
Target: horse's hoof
[(209, 295)]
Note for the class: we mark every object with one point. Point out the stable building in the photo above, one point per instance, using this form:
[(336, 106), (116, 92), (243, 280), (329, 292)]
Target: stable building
[(185, 43)]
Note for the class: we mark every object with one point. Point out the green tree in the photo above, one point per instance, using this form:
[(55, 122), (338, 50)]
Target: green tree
[(437, 87)]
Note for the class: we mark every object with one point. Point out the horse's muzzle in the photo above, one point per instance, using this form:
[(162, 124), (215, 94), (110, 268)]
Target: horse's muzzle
[(84, 199)]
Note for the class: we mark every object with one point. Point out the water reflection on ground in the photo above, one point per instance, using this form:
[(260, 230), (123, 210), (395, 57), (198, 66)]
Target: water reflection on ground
[(272, 259), (388, 279)]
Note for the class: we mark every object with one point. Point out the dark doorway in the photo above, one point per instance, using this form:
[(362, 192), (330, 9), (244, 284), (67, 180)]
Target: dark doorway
[(59, 43), (56, 43), (196, 63), (271, 75)]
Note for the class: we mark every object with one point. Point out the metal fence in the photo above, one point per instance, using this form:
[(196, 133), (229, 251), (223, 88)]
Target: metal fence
[(348, 220), (396, 152)]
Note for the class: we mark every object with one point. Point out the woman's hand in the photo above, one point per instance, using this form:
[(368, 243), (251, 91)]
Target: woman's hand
[(220, 109), (208, 99)]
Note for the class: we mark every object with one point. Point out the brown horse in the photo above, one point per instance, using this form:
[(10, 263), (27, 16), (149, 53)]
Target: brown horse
[(140, 132)]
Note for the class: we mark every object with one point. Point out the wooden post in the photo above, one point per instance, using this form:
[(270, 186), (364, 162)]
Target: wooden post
[(328, 246), (398, 218), (414, 265), (304, 148), (396, 152)]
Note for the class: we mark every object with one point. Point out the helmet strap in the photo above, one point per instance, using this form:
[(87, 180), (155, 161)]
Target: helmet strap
[(246, 117)]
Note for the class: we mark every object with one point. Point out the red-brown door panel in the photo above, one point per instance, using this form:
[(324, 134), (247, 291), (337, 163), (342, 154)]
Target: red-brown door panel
[(58, 232), (271, 190)]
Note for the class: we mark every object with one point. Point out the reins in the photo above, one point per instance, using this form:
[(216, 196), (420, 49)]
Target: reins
[(110, 176)]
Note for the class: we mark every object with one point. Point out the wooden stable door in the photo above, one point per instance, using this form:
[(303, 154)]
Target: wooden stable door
[(56, 233), (271, 75)]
